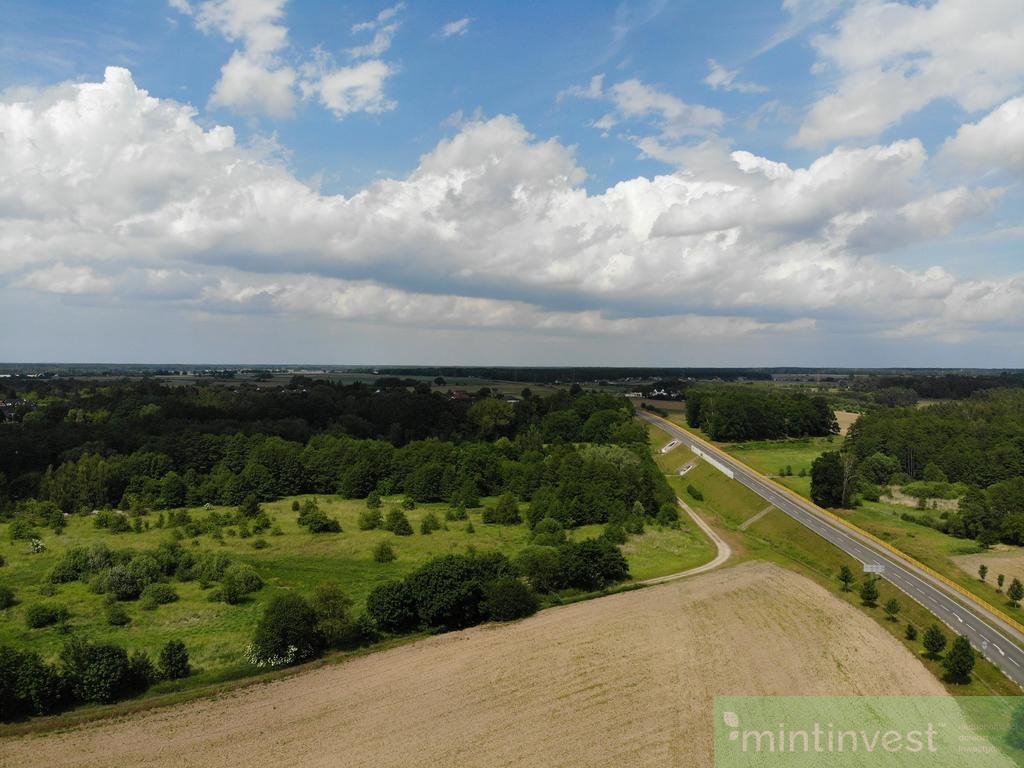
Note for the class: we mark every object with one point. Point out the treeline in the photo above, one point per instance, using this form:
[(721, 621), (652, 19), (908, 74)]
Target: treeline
[(973, 448), (581, 457), (566, 374), (747, 413), (979, 441), (946, 386), (145, 430)]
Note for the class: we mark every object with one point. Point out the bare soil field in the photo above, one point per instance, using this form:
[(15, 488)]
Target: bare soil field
[(628, 679), (1002, 559)]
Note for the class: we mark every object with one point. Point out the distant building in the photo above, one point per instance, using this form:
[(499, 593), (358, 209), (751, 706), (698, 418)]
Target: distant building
[(459, 394)]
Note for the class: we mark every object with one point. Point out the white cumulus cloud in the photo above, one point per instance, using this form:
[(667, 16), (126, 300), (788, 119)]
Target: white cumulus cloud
[(891, 59), (108, 191)]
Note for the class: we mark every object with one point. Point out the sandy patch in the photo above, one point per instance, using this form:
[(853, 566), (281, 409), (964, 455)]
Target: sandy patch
[(1008, 561), (846, 419), (625, 680)]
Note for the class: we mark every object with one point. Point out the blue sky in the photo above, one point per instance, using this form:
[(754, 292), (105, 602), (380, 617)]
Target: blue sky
[(805, 182)]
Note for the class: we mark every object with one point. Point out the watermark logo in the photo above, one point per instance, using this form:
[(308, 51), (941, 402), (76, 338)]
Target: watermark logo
[(868, 731)]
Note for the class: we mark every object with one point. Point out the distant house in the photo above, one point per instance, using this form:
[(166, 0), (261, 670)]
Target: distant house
[(459, 394), (9, 409)]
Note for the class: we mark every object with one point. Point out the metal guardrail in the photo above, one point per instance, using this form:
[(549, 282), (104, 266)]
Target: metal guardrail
[(793, 496)]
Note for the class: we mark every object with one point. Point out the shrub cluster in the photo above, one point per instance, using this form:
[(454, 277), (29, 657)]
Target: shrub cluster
[(452, 592), (316, 520), (397, 523), (87, 672), (589, 565)]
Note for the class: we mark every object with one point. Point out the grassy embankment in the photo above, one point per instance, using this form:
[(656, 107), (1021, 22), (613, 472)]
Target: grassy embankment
[(927, 545), (778, 538)]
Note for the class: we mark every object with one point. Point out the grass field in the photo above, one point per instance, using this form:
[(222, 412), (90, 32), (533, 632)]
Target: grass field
[(216, 633), (627, 680), (946, 554)]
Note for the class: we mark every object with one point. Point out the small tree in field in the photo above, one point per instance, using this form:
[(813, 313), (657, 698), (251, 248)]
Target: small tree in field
[(383, 552), (173, 663), (504, 512), (1000, 580), (846, 577), (1015, 593), (982, 572), (892, 609), (934, 641), (911, 633), (332, 607), (397, 523), (869, 593), (287, 633), (959, 662)]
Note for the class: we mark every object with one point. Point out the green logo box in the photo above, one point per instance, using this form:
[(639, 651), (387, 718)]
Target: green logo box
[(869, 731)]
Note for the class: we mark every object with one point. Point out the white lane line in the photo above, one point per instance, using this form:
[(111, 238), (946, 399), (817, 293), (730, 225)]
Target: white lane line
[(958, 618), (1001, 653)]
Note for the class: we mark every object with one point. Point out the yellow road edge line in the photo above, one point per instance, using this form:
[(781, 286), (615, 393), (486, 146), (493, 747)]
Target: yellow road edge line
[(794, 496)]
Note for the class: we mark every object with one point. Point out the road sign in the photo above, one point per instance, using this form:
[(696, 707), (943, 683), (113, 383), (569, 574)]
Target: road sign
[(874, 568)]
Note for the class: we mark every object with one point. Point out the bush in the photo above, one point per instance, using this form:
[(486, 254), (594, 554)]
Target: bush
[(115, 522), (321, 523), (457, 512), (504, 512), (593, 564), (240, 580), (41, 615), (158, 593), (332, 607), (370, 519), (392, 607), (21, 529), (117, 616), (7, 598), (173, 663), (548, 533), (694, 493), (508, 598), (397, 523), (408, 503), (287, 633), (102, 672), (614, 533), (429, 524), (28, 685), (448, 590), (384, 552), (543, 568), (260, 543), (122, 582), (668, 515)]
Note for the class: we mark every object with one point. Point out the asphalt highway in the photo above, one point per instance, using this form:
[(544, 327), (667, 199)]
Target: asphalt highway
[(997, 640)]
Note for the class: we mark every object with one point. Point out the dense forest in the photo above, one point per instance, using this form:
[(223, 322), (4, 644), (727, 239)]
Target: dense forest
[(906, 389), (975, 444), (143, 445), (746, 413)]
